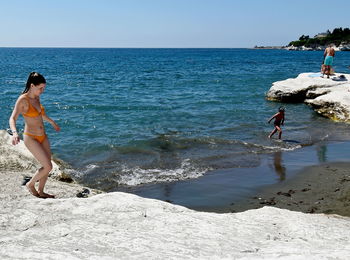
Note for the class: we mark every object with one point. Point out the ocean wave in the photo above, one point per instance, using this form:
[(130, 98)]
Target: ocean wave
[(168, 158), (99, 176), (136, 176)]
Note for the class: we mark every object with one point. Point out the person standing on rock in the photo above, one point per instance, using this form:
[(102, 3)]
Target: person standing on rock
[(34, 136), (328, 60)]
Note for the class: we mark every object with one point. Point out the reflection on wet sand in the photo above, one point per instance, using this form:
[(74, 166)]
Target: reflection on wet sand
[(322, 153), (278, 165), (167, 191)]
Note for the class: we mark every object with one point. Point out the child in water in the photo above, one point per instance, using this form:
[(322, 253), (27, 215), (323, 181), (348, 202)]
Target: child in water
[(279, 120)]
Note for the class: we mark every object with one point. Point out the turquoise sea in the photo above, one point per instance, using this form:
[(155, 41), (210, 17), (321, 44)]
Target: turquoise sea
[(183, 125)]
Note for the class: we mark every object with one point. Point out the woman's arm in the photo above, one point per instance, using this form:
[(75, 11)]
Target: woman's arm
[(53, 123), (18, 109)]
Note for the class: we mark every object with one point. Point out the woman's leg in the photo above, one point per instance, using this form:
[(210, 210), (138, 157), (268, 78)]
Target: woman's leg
[(41, 155), (46, 145)]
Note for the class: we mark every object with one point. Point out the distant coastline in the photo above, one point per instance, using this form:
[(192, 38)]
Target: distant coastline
[(339, 38), (341, 47), (269, 47)]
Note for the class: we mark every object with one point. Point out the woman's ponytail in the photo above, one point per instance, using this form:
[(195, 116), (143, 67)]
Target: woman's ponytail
[(34, 78)]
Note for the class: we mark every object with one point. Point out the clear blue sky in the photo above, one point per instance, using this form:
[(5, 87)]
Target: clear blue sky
[(165, 23)]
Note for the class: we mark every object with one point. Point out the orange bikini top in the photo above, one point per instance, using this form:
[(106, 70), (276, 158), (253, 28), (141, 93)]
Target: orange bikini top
[(32, 111)]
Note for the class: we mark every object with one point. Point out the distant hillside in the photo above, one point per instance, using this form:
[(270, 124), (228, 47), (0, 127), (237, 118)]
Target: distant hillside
[(337, 37)]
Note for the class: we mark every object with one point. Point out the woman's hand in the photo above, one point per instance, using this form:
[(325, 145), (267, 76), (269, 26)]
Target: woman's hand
[(56, 127), (15, 139)]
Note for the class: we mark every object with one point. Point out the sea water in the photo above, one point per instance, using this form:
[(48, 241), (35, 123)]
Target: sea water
[(140, 117)]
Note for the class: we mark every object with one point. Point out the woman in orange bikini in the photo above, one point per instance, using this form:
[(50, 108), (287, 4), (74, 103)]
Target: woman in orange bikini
[(35, 139)]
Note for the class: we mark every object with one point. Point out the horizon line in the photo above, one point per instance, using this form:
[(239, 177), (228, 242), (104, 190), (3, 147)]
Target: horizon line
[(84, 47)]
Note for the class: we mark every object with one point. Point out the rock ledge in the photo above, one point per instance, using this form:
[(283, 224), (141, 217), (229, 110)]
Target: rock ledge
[(328, 97)]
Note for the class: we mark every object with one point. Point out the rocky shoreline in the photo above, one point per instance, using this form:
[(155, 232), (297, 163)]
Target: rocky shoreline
[(341, 47), (124, 226), (328, 97)]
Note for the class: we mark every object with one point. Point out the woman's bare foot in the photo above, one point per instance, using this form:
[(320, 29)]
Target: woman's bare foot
[(32, 190), (46, 195)]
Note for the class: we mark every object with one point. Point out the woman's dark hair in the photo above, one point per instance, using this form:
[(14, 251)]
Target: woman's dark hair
[(34, 78)]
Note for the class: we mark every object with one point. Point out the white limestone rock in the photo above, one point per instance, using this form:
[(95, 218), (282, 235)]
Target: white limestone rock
[(328, 97), (341, 47), (15, 157), (317, 92), (295, 90), (125, 226), (334, 104), (344, 47)]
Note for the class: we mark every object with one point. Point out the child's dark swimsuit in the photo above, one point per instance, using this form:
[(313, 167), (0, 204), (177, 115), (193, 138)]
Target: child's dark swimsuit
[(277, 122)]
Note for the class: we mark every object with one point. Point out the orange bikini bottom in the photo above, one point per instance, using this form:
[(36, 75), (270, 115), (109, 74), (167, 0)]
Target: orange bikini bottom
[(39, 138)]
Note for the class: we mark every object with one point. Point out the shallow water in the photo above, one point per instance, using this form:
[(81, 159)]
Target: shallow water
[(219, 189), (138, 116)]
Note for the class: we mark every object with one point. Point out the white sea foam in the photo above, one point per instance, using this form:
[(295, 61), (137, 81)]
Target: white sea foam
[(82, 172), (91, 167), (135, 176), (132, 176), (269, 148)]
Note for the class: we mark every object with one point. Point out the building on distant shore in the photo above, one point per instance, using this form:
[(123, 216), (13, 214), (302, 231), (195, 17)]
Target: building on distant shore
[(321, 35), (268, 47)]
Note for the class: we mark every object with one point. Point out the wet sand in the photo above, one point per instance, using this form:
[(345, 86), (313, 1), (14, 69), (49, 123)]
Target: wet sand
[(323, 188)]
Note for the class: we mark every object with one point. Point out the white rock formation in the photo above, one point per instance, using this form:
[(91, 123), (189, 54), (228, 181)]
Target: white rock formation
[(341, 47), (344, 47), (17, 157), (303, 48), (334, 103), (124, 226), (328, 97)]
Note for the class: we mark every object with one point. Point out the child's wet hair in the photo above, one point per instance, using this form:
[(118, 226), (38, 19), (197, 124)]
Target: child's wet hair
[(281, 109)]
